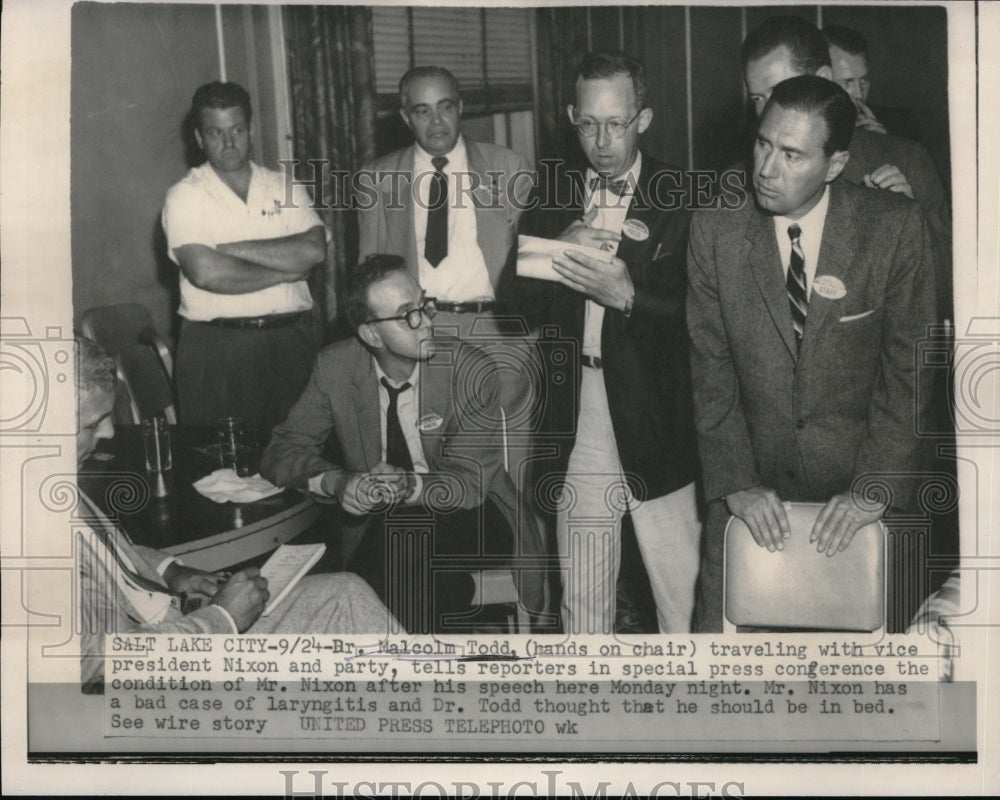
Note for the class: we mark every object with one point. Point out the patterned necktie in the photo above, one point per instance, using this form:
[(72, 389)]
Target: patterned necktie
[(795, 284), (396, 451), (436, 239), (618, 187)]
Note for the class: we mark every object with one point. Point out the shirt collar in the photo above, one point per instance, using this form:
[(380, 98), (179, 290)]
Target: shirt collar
[(208, 169), (412, 380), (458, 158), (631, 174), (812, 221)]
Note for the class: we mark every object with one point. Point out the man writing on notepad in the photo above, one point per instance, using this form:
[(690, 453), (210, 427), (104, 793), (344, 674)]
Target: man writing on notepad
[(126, 588), (632, 442)]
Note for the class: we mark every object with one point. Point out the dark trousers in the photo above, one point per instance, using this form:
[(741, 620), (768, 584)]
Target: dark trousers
[(418, 562), (253, 375)]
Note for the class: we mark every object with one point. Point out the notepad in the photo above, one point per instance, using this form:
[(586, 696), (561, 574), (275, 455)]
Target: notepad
[(534, 256), (286, 567)]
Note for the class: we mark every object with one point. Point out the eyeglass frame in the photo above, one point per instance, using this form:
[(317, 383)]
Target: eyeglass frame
[(597, 126), (427, 307)]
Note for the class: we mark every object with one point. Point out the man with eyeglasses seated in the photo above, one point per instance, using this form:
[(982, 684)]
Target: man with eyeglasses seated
[(451, 207), (421, 475), (631, 450)]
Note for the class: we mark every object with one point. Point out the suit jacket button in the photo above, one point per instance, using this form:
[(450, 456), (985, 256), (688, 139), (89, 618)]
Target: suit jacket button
[(791, 474), (800, 423)]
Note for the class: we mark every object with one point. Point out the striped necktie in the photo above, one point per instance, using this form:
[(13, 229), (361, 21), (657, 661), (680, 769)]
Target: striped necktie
[(795, 284)]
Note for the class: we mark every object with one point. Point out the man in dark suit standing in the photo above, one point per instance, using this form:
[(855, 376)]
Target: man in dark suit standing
[(849, 62), (421, 471), (629, 446), (804, 310)]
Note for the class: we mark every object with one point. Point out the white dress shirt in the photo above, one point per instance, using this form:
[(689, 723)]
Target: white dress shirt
[(462, 275), (408, 410), (810, 238), (611, 213)]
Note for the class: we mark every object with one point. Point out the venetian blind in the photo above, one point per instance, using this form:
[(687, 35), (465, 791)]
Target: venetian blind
[(487, 50)]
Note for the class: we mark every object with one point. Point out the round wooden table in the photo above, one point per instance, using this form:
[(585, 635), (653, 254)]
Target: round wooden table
[(184, 523)]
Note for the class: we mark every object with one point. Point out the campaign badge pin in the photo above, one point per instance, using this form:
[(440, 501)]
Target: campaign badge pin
[(429, 422), (635, 229), (829, 286)]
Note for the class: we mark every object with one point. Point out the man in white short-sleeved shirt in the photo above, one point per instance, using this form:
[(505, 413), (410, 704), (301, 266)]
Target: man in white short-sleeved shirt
[(245, 241)]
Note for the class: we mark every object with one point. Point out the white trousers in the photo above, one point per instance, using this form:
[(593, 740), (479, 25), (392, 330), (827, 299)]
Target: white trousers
[(588, 529)]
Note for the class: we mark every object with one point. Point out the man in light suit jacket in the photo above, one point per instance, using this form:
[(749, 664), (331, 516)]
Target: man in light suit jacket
[(804, 309), (126, 588), (450, 207), (419, 429), (622, 430)]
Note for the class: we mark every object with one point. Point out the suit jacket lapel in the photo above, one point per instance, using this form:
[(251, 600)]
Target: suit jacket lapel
[(836, 255), (369, 410), (640, 209), (434, 406), (577, 301), (491, 214), (765, 264), (399, 209)]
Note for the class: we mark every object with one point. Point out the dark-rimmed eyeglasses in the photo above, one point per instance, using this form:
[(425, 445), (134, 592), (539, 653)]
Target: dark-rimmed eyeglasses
[(615, 127), (414, 316)]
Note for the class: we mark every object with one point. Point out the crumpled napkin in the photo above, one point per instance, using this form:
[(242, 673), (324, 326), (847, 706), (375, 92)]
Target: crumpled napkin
[(224, 485)]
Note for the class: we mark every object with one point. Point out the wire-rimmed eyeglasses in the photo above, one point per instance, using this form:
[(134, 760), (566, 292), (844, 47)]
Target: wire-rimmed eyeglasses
[(414, 316), (615, 127)]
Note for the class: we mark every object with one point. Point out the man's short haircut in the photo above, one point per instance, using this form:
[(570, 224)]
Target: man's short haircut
[(424, 72), (373, 269), (811, 94), (846, 39), (95, 369), (804, 41), (219, 95), (611, 65)]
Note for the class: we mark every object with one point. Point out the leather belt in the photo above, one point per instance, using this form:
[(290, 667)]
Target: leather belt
[(594, 362), (258, 323), (475, 307)]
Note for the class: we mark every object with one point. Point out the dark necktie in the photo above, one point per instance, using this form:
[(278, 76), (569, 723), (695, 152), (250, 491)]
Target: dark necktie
[(795, 284), (436, 240), (618, 187), (396, 451)]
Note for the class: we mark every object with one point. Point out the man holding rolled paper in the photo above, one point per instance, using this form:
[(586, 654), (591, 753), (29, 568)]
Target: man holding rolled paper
[(629, 447), (126, 588)]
